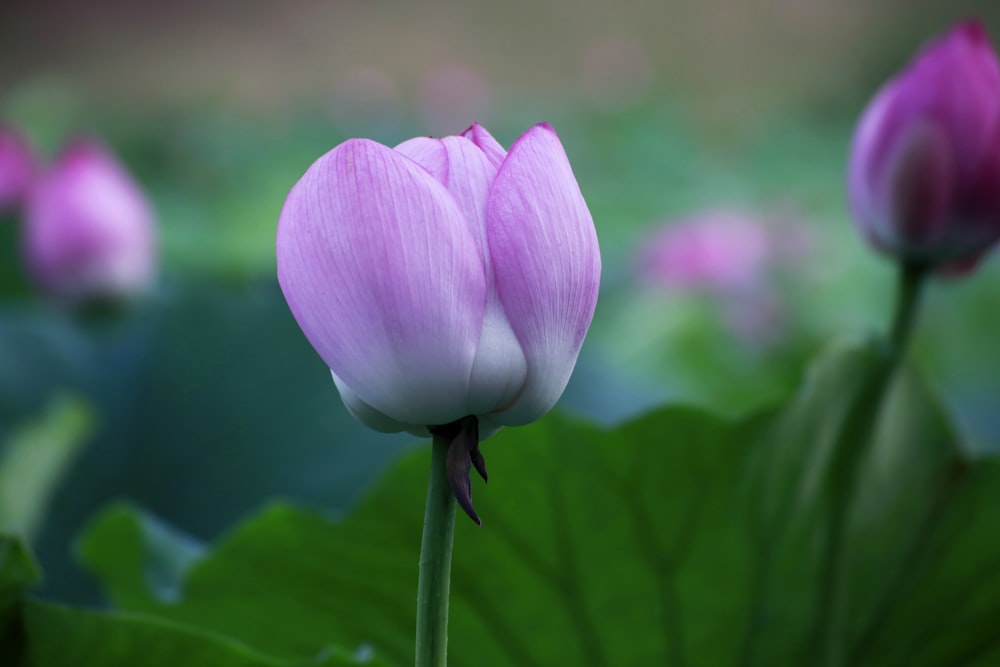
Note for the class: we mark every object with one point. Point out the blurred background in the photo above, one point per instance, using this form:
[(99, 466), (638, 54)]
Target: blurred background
[(709, 139)]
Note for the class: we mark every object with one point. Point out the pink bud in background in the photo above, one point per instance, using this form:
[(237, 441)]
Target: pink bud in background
[(17, 169), (736, 258), (443, 278), (924, 175), (89, 230), (719, 250)]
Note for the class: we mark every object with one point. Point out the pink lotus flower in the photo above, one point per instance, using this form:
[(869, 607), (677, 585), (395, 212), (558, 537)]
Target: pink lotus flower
[(443, 278), (17, 169), (924, 176), (89, 230)]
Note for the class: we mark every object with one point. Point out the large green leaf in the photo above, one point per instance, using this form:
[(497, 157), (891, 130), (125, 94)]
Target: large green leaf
[(679, 538), (58, 636), (18, 572), (38, 634)]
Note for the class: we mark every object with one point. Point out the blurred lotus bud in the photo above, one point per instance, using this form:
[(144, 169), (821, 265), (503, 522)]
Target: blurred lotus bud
[(89, 229), (719, 250), (732, 257), (924, 175), (17, 169)]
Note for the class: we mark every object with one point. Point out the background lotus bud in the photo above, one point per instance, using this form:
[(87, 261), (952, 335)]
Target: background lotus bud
[(731, 255), (17, 169), (444, 278), (719, 250), (924, 176), (89, 230)]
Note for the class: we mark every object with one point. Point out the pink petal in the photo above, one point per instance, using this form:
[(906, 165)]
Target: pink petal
[(371, 417), (478, 135), (465, 171), (918, 188), (381, 272), (500, 368), (547, 265)]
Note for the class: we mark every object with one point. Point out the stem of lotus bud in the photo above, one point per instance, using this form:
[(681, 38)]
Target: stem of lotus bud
[(434, 584)]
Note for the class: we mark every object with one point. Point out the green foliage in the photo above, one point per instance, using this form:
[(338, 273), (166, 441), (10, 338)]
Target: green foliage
[(35, 459), (57, 636), (208, 388), (13, 278), (679, 538), (42, 634), (18, 572)]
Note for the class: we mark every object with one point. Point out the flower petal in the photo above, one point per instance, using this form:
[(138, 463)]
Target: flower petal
[(500, 368), (364, 413), (465, 171), (547, 265), (370, 417), (381, 272), (918, 188), (478, 135)]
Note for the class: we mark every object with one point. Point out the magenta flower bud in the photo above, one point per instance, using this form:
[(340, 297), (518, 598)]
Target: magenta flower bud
[(443, 279), (924, 176), (89, 230), (17, 169)]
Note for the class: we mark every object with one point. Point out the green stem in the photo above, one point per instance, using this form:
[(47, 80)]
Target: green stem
[(911, 281), (852, 443), (435, 562)]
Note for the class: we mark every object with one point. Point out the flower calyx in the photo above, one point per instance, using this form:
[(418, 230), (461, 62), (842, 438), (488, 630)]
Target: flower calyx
[(463, 455)]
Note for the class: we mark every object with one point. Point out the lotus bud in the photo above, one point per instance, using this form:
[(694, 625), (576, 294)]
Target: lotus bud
[(924, 174), (447, 283), (17, 169), (89, 229)]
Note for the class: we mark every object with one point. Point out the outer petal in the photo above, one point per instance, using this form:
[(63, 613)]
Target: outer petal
[(381, 272), (488, 427), (979, 204), (500, 368), (956, 80), (371, 417), (547, 265), (918, 188), (866, 148)]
